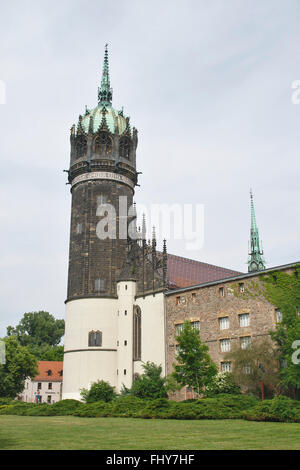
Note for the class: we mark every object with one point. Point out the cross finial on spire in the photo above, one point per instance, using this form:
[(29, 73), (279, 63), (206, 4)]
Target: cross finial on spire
[(105, 92)]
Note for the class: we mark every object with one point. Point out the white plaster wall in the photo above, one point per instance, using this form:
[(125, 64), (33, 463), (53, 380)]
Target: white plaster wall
[(153, 331), (126, 295), (83, 364), (31, 388)]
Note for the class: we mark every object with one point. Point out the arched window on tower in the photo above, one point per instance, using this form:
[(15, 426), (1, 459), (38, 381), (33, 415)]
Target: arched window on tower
[(95, 338), (81, 146), (103, 144), (124, 147), (137, 333)]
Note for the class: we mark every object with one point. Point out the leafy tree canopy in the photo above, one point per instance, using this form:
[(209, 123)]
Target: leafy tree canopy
[(37, 329), (19, 364), (150, 384), (194, 366), (100, 390), (283, 290), (255, 364)]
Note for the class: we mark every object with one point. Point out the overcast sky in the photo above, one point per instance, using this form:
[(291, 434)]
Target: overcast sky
[(208, 84)]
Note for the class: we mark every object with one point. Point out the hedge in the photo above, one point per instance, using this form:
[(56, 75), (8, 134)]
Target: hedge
[(221, 407)]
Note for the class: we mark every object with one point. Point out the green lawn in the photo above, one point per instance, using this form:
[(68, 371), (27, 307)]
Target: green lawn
[(67, 432)]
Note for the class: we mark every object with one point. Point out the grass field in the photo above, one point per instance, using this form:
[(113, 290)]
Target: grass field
[(67, 432)]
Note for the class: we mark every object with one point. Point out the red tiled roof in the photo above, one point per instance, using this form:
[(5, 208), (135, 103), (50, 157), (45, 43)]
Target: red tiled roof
[(54, 366), (184, 272)]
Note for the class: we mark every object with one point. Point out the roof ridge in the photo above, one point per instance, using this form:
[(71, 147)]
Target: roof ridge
[(202, 262)]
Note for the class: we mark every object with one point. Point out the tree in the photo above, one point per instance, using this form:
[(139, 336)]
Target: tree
[(283, 290), (42, 333), (255, 366), (19, 365), (100, 390), (194, 366), (48, 353), (150, 384)]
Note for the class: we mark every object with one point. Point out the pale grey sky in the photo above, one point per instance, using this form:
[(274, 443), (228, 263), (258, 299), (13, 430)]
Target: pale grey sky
[(208, 86)]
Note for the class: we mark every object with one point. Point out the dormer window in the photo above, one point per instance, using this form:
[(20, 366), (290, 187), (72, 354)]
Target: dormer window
[(49, 372)]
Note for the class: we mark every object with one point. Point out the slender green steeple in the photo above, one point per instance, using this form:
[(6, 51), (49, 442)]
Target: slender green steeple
[(105, 92), (256, 260)]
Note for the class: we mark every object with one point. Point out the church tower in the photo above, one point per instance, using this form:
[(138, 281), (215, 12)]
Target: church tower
[(102, 176), (256, 260), (102, 170)]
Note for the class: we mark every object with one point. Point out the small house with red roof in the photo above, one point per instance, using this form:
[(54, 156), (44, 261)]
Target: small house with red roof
[(46, 387)]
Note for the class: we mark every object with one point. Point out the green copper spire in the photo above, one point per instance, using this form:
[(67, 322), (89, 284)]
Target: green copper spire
[(256, 260), (105, 92)]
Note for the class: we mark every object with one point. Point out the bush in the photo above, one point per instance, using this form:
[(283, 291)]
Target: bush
[(150, 384), (6, 401), (281, 408), (66, 407), (222, 383), (100, 390), (223, 406)]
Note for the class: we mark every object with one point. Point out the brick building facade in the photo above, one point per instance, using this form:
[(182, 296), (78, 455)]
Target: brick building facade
[(227, 312)]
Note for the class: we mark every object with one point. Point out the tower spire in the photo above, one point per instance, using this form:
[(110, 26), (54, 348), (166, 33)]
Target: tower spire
[(256, 260), (105, 92)]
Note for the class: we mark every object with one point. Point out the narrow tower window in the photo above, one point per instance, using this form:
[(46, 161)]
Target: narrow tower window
[(81, 146), (101, 199), (137, 333), (103, 144), (124, 147), (100, 285)]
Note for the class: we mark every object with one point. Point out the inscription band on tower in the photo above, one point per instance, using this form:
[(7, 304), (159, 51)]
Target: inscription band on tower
[(102, 175)]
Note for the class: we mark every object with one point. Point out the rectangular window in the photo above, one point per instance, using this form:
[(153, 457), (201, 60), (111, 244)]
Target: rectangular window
[(225, 366), (196, 325), (102, 199), (49, 399), (278, 315), (98, 338), (222, 292), (95, 338), (179, 328), (49, 386), (100, 285), (246, 369), (225, 345), (224, 323), (242, 287), (244, 319), (79, 228), (245, 342), (125, 343), (124, 371), (39, 386), (178, 300), (193, 297)]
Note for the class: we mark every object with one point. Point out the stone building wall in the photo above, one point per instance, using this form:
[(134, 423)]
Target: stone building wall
[(207, 305)]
